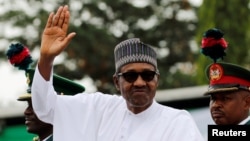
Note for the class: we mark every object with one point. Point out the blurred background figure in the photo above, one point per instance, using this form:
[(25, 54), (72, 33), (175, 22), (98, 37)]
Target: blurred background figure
[(19, 56)]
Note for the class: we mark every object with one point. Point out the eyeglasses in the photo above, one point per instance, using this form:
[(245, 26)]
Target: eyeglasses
[(132, 76)]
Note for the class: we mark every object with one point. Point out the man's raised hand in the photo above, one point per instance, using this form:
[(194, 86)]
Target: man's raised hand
[(55, 37)]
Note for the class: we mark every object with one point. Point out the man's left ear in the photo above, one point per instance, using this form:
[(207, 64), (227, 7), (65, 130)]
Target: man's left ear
[(116, 81), (158, 77)]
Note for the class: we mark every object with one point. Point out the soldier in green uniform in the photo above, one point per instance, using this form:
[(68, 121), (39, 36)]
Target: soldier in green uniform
[(229, 84), (35, 126), (229, 92), (19, 56)]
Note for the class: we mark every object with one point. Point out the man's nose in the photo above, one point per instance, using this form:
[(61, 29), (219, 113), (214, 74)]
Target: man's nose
[(139, 81)]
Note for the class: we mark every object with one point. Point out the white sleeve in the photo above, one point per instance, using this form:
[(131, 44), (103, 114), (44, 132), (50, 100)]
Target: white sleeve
[(43, 97)]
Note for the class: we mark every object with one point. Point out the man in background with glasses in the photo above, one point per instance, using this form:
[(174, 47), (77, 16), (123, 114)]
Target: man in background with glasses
[(134, 116)]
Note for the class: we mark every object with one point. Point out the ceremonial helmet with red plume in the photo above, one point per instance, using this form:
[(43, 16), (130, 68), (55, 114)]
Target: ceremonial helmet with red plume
[(223, 77), (19, 56), (213, 44)]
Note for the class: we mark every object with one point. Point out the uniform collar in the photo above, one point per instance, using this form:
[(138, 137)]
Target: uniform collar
[(244, 121)]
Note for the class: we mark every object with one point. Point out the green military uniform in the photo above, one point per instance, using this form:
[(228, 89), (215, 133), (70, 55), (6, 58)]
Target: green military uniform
[(247, 123)]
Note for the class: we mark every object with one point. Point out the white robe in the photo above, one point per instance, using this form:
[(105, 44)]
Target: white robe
[(103, 117)]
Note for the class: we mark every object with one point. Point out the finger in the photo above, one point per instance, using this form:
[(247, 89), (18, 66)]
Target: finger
[(62, 16), (57, 16), (65, 24), (49, 21), (68, 39), (70, 36)]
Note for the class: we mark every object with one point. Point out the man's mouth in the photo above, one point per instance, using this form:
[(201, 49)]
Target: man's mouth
[(217, 114)]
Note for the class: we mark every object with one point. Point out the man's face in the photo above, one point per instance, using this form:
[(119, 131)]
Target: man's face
[(229, 107), (140, 92), (33, 124)]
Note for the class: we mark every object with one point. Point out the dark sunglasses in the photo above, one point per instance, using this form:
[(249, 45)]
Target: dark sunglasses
[(132, 76)]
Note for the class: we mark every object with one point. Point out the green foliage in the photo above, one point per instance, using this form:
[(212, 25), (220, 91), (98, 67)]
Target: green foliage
[(101, 24)]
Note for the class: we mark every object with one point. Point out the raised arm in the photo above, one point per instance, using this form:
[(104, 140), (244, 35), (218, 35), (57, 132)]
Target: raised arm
[(54, 40)]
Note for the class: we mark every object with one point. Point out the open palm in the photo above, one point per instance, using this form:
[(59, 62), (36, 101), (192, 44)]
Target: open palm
[(54, 37)]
